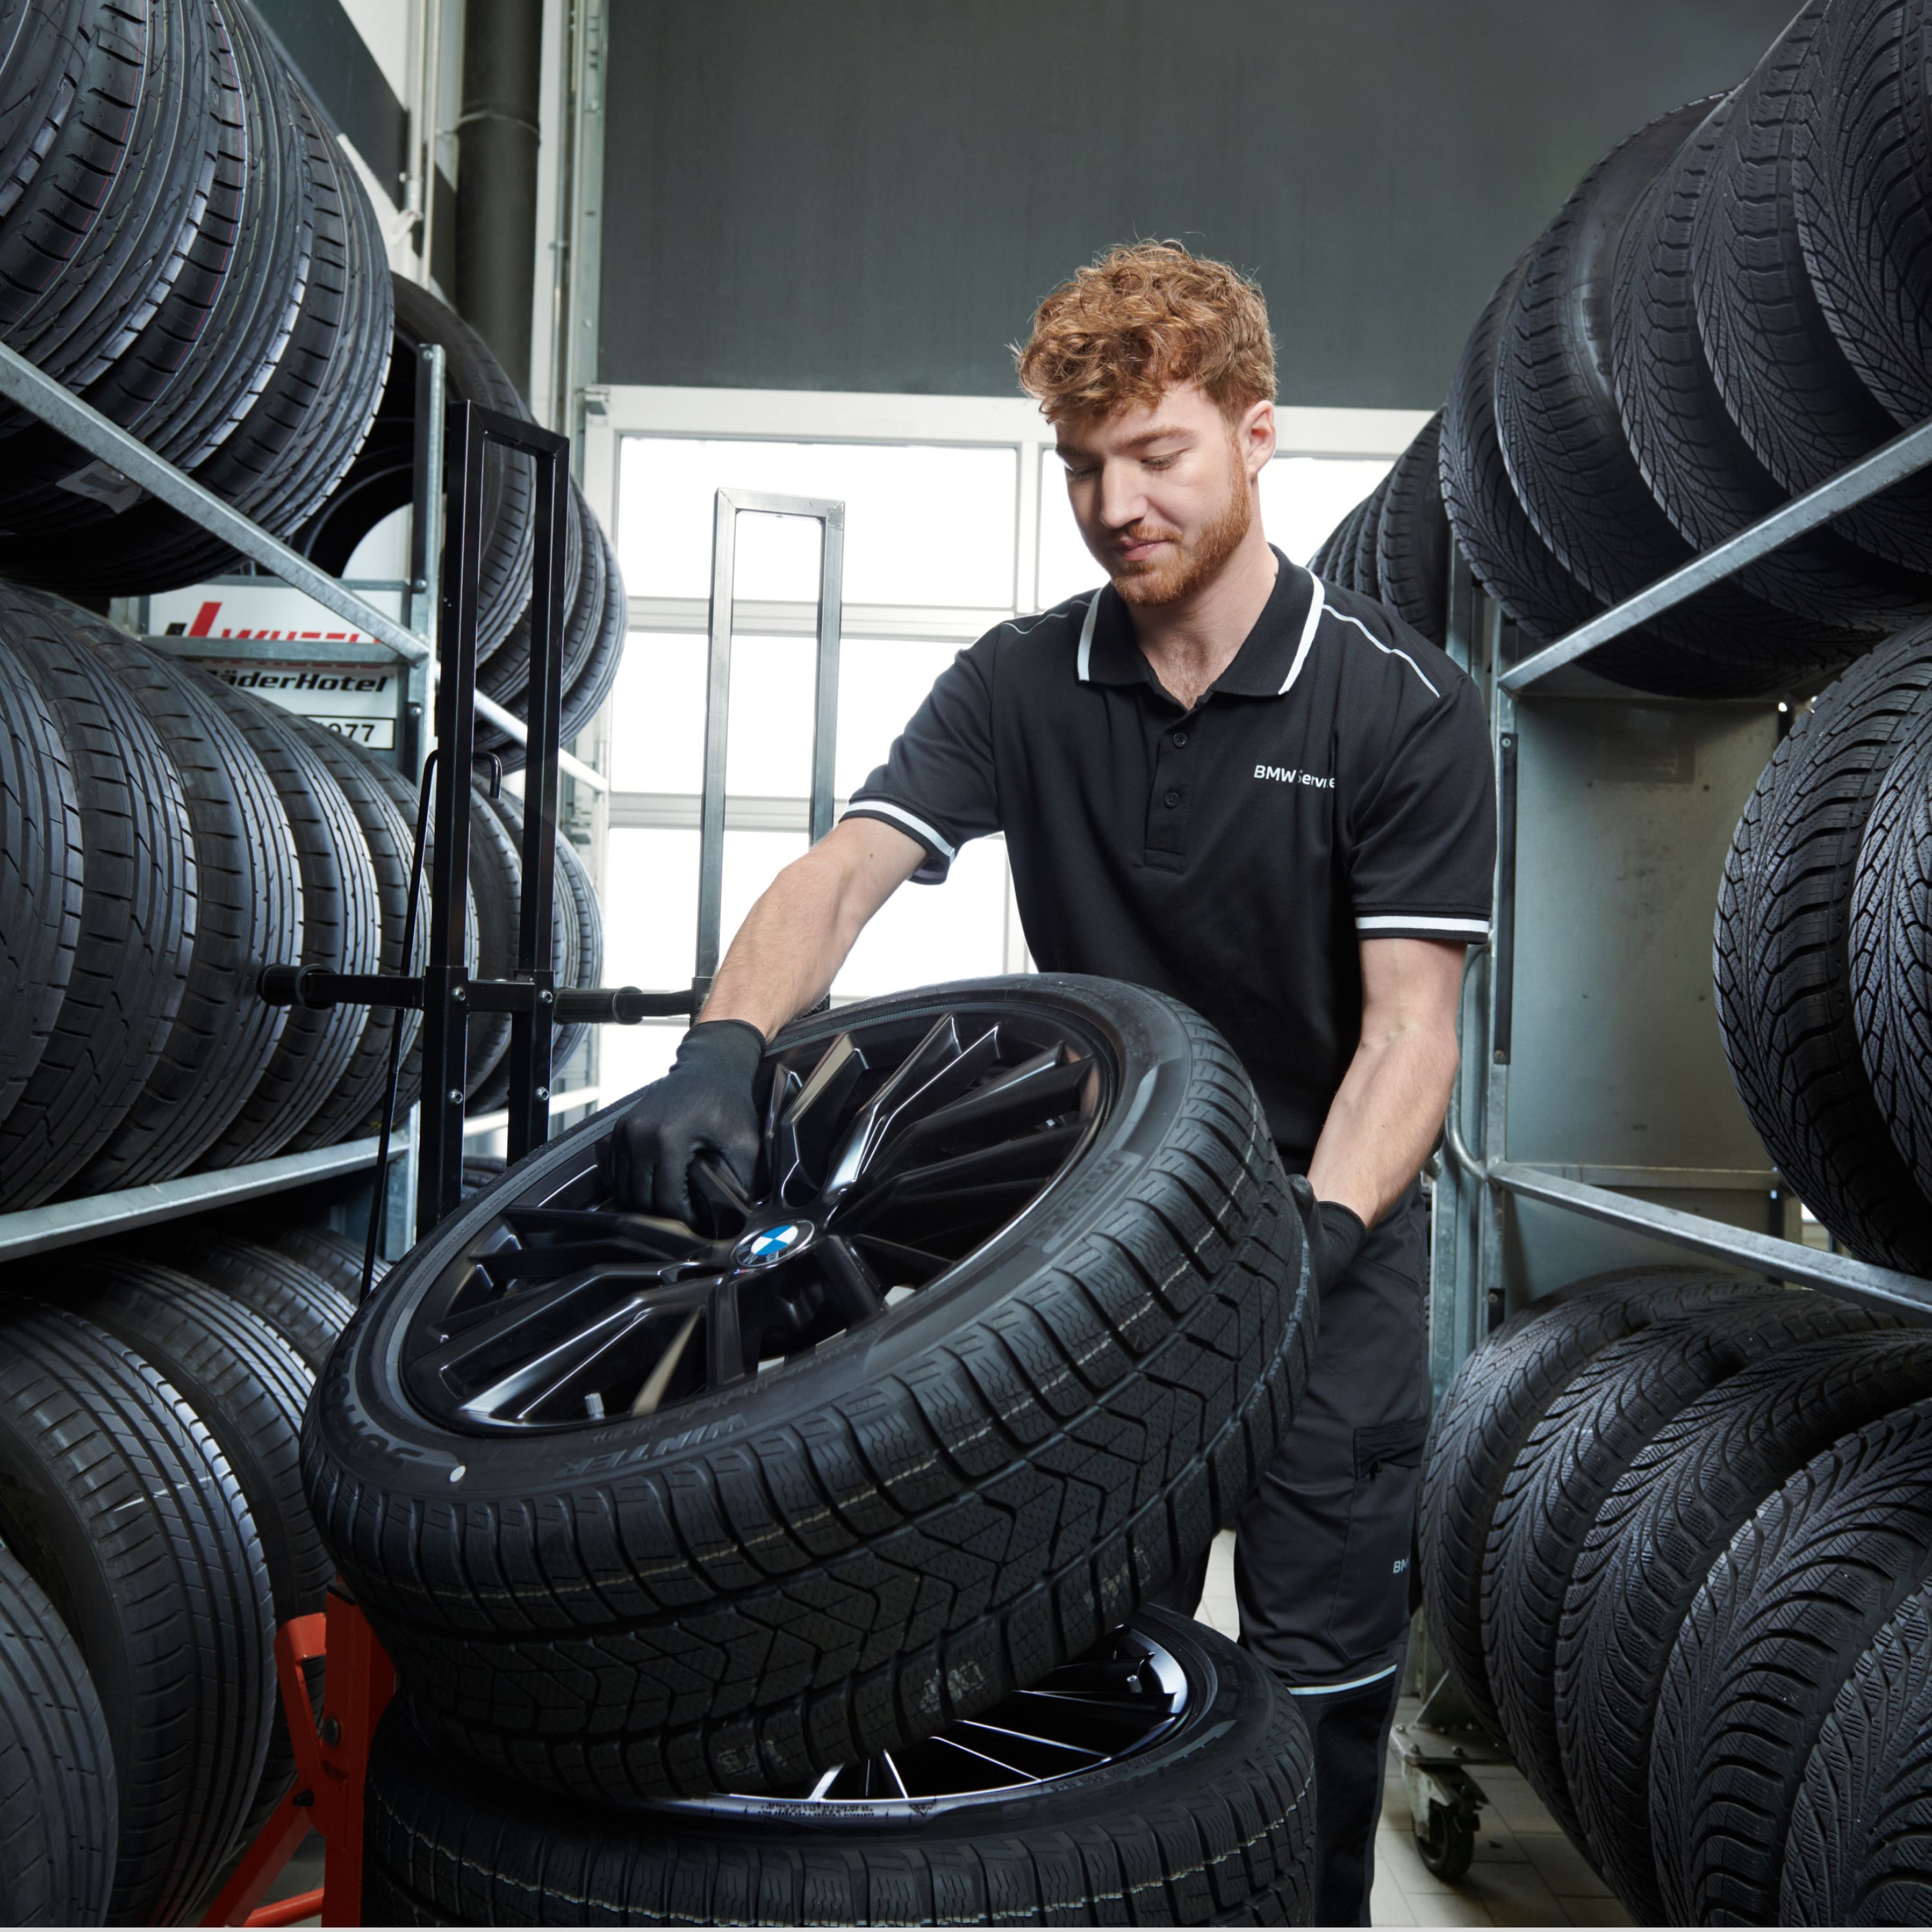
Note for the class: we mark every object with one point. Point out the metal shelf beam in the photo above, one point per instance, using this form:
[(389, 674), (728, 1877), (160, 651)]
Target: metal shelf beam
[(33, 1231)]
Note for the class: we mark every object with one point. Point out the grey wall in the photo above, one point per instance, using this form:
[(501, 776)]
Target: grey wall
[(872, 194)]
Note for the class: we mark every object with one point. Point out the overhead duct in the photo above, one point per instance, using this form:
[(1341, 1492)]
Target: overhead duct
[(497, 134)]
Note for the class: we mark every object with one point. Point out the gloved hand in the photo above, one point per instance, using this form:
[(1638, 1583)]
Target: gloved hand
[(1334, 1234), (703, 1106)]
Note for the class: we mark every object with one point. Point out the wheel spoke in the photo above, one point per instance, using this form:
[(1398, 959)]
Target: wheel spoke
[(940, 1047), (1029, 1094), (1030, 1737), (856, 1290), (560, 1371), (521, 1265), (724, 1335), (916, 1266), (797, 1151), (658, 1380), (649, 1234)]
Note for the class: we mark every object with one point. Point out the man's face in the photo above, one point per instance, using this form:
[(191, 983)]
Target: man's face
[(1165, 492)]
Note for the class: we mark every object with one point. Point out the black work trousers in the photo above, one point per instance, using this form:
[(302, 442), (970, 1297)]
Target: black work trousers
[(1322, 1547)]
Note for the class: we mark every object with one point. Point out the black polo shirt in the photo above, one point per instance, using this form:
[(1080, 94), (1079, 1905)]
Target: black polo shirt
[(1333, 785)]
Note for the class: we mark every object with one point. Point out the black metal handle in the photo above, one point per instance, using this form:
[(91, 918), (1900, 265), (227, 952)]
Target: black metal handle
[(618, 1005)]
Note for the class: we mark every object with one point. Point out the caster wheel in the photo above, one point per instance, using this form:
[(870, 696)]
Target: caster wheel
[(1446, 1841)]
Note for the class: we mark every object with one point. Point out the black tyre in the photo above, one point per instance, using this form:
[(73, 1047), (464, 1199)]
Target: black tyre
[(247, 914), (357, 1099), (333, 1256), (1564, 1474), (304, 1307), (1771, 1638), (58, 1821), (1164, 1780), (916, 1360), (1698, 466), (251, 1387), (1489, 1413), (137, 916), (40, 875), (341, 930), (1362, 575), (1691, 1488), (1863, 192), (587, 692), (1784, 993), (1564, 437), (117, 1498), (1858, 1853), (583, 905), (1891, 954), (1786, 382), (1412, 539)]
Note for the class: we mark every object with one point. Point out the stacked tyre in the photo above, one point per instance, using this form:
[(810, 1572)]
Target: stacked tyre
[(153, 1531), (1823, 956), (379, 483), (791, 1566), (1664, 1518), (166, 836), (1732, 306), (184, 245), (1395, 546)]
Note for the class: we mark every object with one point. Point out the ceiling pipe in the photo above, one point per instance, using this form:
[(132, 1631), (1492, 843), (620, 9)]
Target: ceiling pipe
[(497, 135)]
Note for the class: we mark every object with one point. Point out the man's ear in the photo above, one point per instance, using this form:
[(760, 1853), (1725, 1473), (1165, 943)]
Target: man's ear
[(1254, 435)]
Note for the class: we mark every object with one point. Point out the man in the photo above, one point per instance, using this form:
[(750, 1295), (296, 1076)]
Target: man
[(1220, 778)]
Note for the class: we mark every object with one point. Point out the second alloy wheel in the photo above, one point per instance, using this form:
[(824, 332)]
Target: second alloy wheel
[(1006, 1325)]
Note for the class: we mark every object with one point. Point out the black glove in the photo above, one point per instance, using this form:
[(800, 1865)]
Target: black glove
[(703, 1106), (1334, 1234)]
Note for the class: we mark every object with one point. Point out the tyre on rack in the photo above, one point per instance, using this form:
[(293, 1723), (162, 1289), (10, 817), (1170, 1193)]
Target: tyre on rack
[(1891, 954), (965, 1191), (250, 1387), (1564, 1474), (1489, 1412), (341, 930), (1773, 1636), (335, 1257), (1163, 1778), (303, 1306), (1858, 1852), (40, 875), (1822, 594), (59, 1823), (247, 912), (137, 915), (117, 1499), (1784, 975), (1787, 384), (1362, 574), (1668, 1520), (1412, 537)]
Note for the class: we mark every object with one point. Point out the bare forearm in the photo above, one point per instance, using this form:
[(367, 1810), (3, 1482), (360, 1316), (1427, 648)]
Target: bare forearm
[(1384, 1120), (796, 938)]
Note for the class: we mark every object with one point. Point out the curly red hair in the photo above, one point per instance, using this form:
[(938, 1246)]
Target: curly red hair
[(1146, 317)]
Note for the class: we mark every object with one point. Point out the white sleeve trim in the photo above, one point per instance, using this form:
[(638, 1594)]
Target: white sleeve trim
[(864, 807), (1390, 921)]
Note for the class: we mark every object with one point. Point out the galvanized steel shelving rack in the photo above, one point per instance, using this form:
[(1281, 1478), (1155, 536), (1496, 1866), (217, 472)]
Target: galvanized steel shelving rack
[(1594, 1123), (59, 1224)]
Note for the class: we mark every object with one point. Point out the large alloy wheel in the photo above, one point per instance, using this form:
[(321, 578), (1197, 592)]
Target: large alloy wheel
[(1007, 1324), (1162, 1779)]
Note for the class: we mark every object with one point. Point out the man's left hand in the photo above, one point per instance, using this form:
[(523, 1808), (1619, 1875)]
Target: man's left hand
[(1334, 1234)]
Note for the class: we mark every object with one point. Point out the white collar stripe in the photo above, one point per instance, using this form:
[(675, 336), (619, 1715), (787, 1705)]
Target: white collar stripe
[(1084, 663), (1310, 625)]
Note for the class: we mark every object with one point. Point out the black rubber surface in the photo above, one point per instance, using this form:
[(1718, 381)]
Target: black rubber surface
[(1784, 993), (585, 696), (116, 1497), (354, 1106), (1863, 192), (1683, 1496), (1489, 1413), (58, 1807), (1786, 382), (1891, 951), (1412, 540), (1859, 1845), (1055, 1439), (1564, 1474), (137, 915), (1698, 466), (248, 914), (334, 1257), (40, 872), (341, 929), (1212, 1824), (1772, 1637), (304, 1307)]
